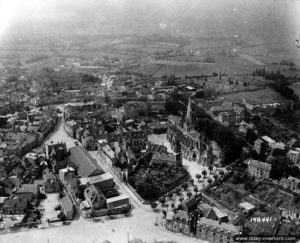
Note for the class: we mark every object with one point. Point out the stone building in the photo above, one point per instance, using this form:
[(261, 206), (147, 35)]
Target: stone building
[(214, 231), (258, 169), (183, 138)]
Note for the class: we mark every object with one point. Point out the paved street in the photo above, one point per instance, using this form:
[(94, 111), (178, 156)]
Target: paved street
[(139, 224)]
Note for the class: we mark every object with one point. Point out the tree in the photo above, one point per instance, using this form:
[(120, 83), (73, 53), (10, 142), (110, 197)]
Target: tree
[(251, 136), (262, 152), (162, 200), (204, 173), (196, 189), (221, 172), (209, 180), (198, 176), (185, 186), (172, 205), (228, 168), (181, 199), (192, 181), (210, 168), (215, 177), (154, 205), (189, 194), (170, 195)]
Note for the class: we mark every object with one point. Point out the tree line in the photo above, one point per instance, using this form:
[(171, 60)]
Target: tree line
[(281, 84), (231, 144)]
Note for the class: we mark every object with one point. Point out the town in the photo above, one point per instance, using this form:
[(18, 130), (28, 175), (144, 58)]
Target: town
[(147, 138)]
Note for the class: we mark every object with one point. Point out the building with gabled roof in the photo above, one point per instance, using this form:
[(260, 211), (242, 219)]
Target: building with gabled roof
[(86, 165), (258, 169), (214, 231), (179, 222)]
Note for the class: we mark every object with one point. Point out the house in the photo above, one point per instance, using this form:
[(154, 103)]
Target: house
[(164, 158), (67, 207), (190, 203), (29, 188), (15, 206), (104, 181), (51, 182), (290, 212), (117, 202), (63, 173), (79, 132), (294, 156), (258, 169), (246, 207), (93, 197), (214, 231), (290, 183), (215, 214), (57, 151), (179, 222), (269, 141), (277, 145), (106, 153), (87, 140), (87, 166)]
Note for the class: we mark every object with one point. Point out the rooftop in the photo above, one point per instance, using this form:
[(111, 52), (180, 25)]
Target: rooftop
[(114, 199), (86, 164), (259, 164), (164, 157), (216, 224)]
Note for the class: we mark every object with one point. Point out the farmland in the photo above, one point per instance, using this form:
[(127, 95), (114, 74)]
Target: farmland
[(263, 96)]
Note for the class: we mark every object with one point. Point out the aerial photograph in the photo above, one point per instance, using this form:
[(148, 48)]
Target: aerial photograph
[(149, 121)]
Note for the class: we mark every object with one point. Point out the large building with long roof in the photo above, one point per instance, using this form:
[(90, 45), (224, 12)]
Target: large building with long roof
[(86, 165)]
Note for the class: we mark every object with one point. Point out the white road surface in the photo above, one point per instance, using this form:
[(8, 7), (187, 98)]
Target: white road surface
[(140, 224)]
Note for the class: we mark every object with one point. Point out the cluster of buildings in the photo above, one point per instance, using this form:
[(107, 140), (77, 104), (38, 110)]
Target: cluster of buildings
[(203, 221), (26, 131), (91, 188)]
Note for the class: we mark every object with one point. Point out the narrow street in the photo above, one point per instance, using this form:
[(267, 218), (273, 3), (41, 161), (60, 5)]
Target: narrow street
[(140, 224)]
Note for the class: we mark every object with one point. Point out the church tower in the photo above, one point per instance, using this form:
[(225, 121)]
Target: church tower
[(210, 156), (188, 118)]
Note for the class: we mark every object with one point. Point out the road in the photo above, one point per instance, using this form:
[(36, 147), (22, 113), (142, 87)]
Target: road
[(140, 224)]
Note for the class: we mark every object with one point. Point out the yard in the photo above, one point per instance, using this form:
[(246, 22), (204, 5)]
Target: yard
[(49, 205), (192, 167)]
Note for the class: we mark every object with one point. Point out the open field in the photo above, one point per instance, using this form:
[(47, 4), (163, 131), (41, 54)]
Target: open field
[(252, 59), (263, 96), (189, 69)]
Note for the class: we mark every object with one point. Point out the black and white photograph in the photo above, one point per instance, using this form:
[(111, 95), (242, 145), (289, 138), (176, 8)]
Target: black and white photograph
[(149, 121)]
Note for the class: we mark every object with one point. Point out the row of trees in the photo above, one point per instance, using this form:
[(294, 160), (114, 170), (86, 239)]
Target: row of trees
[(281, 85), (230, 143)]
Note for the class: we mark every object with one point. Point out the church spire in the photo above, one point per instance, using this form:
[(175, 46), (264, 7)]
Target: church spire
[(188, 117)]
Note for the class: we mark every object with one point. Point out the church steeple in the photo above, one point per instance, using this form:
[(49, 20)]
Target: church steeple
[(188, 118)]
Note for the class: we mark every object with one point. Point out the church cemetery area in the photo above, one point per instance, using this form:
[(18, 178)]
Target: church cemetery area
[(152, 181)]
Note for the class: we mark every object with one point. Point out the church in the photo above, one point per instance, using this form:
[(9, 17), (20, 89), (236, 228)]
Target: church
[(185, 139)]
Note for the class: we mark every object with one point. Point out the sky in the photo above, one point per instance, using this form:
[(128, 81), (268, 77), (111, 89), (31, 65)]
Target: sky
[(193, 14)]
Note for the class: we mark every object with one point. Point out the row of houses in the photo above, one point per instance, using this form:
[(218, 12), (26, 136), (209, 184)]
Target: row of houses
[(89, 182)]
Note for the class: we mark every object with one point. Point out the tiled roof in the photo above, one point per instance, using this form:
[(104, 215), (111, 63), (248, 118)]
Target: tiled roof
[(67, 204), (182, 215), (86, 164), (164, 157), (259, 164), (170, 215), (214, 223)]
